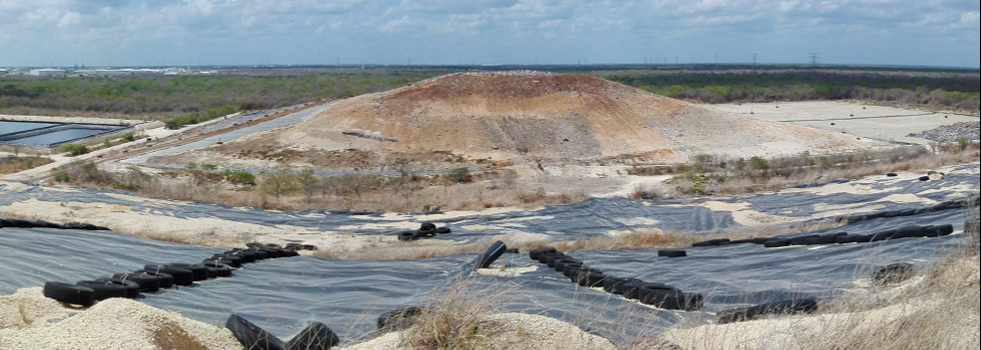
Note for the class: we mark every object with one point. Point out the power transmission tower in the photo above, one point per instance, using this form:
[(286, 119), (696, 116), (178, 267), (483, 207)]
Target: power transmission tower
[(814, 59), (754, 60)]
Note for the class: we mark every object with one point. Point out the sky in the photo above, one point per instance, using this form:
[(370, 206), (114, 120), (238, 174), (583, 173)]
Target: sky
[(441, 32)]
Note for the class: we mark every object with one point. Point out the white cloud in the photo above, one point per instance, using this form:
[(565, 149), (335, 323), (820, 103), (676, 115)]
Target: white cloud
[(507, 29)]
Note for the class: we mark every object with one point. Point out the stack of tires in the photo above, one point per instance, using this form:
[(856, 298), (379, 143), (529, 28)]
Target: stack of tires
[(654, 294), (426, 230), (153, 278)]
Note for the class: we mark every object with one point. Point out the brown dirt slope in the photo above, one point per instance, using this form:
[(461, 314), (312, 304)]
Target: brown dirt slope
[(530, 115)]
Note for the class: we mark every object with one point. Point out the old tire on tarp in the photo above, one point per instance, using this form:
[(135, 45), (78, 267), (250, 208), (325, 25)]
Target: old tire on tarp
[(786, 307), (490, 255), (406, 236), (550, 259), (69, 293), (442, 230), (251, 336), (427, 226), (672, 253), (132, 288), (147, 283), (317, 336), (199, 271), (105, 290), (671, 300), (534, 253), (776, 243), (182, 277), (398, 319), (166, 279)]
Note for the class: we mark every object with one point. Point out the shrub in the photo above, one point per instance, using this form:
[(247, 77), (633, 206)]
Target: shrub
[(209, 166), (238, 177), (460, 175), (74, 150), (759, 163)]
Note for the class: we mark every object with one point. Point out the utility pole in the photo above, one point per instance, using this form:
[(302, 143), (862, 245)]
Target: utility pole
[(754, 60)]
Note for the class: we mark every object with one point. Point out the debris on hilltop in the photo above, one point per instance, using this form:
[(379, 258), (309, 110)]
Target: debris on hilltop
[(952, 132)]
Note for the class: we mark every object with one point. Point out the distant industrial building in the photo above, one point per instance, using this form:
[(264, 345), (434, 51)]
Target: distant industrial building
[(47, 72)]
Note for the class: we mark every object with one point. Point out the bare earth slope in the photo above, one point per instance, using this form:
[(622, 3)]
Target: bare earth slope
[(529, 115)]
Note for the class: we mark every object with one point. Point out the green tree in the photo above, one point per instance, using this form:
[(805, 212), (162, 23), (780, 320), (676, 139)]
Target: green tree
[(280, 183)]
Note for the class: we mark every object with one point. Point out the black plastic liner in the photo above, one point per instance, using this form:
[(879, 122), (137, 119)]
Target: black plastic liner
[(282, 295)]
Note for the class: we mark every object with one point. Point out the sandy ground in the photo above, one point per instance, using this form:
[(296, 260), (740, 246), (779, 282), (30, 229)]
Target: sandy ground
[(30, 321), (874, 122), (511, 331)]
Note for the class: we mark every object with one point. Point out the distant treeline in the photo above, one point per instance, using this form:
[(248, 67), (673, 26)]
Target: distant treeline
[(193, 98), (945, 90), (181, 95)]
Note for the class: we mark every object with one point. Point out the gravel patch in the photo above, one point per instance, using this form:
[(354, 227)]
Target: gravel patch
[(953, 132)]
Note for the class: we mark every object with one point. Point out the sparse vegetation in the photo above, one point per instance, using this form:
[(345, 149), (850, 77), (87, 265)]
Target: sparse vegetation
[(12, 164), (718, 176), (73, 150)]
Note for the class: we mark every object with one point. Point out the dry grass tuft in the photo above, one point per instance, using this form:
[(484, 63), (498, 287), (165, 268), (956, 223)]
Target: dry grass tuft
[(939, 310), (454, 317)]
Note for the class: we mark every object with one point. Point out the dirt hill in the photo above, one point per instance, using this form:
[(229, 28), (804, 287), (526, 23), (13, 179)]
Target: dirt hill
[(521, 116)]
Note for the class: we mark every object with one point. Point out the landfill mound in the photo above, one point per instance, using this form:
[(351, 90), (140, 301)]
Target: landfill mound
[(513, 116)]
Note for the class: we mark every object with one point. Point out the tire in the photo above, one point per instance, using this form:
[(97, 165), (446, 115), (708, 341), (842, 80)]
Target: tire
[(892, 175), (591, 279), (251, 336), (761, 240), (272, 246), (293, 246), (910, 231), (802, 240), (272, 253), (542, 257), (788, 307), (672, 253), (711, 243), (892, 274), (658, 286), (534, 253), (776, 243), (199, 271), (398, 319), (570, 270), (69, 293), (884, 235), (310, 247), (105, 290), (166, 280), (442, 230), (132, 288), (559, 264), (846, 239), (427, 226), (182, 277), (147, 283), (550, 259), (672, 300), (316, 336), (406, 236), (632, 289), (425, 233), (924, 178), (230, 260), (254, 245), (490, 255), (945, 230), (259, 254)]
